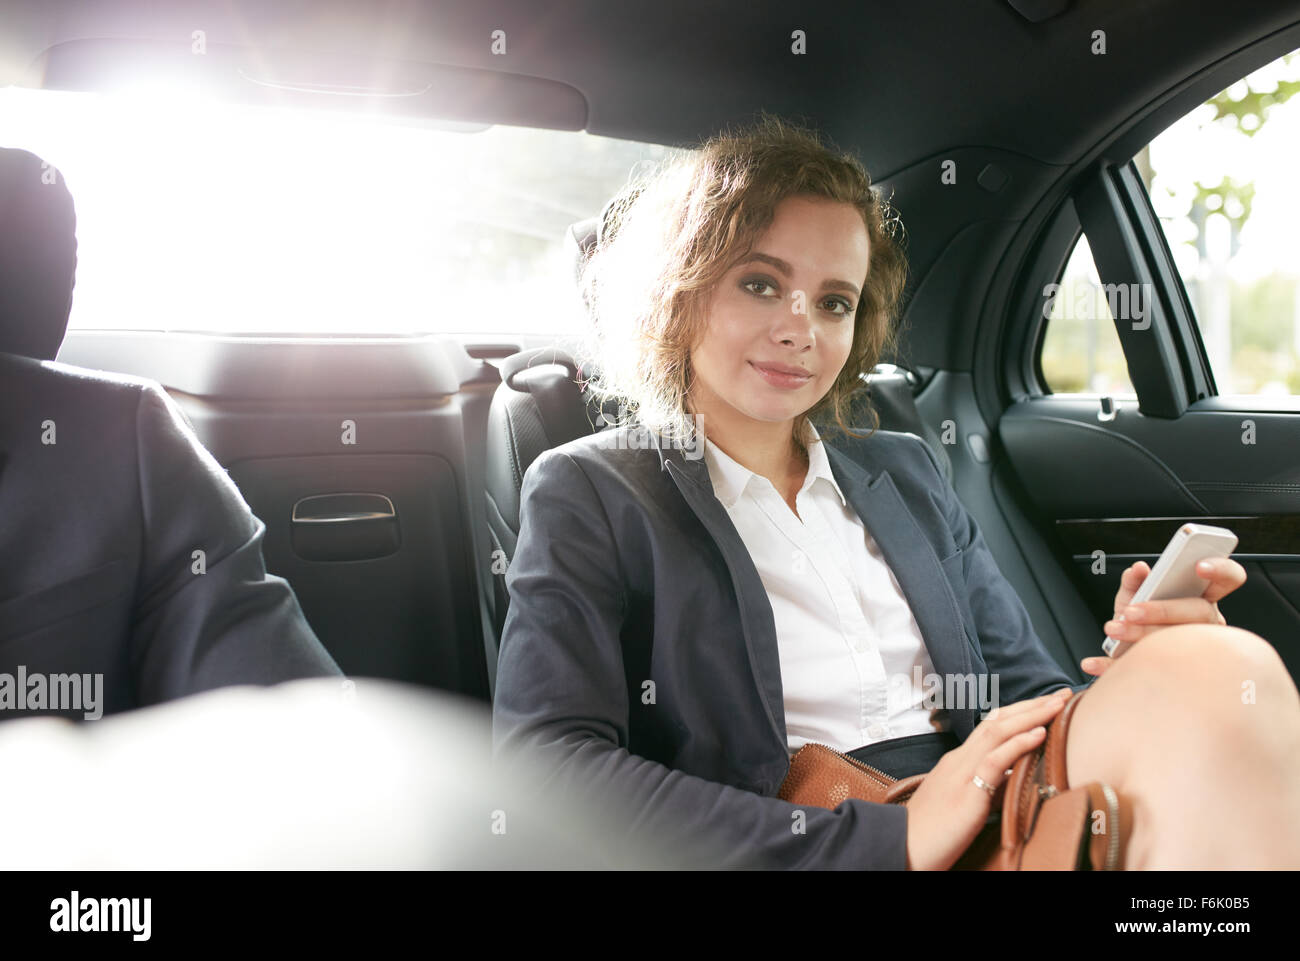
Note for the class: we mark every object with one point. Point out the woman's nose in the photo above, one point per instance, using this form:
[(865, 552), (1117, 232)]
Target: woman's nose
[(795, 326)]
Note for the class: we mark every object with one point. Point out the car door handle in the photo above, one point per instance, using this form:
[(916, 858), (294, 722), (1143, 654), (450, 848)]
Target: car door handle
[(345, 527), (342, 508)]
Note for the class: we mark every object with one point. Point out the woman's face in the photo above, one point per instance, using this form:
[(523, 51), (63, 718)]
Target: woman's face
[(780, 324)]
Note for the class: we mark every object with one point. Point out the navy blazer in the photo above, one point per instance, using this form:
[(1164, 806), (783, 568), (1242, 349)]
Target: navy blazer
[(640, 650), (105, 496)]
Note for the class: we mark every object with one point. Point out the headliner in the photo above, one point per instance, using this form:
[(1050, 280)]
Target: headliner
[(894, 81)]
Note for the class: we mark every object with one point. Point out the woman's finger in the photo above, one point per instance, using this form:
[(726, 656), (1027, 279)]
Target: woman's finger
[(1224, 574), (1038, 711), (1019, 707), (1129, 582), (1179, 610), (995, 764), (1096, 666)]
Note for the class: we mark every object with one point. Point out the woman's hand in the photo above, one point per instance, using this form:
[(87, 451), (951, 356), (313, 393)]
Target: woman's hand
[(1134, 622), (948, 810)]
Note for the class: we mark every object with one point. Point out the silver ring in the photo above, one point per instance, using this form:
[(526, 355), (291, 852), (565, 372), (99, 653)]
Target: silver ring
[(984, 785)]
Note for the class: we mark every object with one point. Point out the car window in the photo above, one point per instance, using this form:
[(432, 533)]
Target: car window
[(1081, 350), (230, 218), (1221, 181)]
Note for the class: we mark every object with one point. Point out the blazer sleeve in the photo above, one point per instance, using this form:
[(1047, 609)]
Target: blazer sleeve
[(562, 697), (1011, 647), (213, 619)]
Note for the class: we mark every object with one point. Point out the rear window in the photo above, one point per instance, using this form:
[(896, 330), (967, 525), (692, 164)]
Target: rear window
[(235, 219)]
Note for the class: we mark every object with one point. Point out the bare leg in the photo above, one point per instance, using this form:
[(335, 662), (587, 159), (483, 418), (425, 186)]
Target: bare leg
[(1199, 727)]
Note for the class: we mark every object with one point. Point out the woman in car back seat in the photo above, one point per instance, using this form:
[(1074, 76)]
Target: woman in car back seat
[(707, 587)]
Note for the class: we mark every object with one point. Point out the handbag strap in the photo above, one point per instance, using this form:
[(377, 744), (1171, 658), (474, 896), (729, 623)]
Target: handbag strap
[(1055, 770)]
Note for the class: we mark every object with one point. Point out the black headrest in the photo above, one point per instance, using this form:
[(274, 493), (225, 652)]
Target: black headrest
[(583, 236), (580, 239), (38, 255)]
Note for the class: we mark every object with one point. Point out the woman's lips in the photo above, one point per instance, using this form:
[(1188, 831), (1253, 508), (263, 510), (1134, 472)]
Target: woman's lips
[(778, 379)]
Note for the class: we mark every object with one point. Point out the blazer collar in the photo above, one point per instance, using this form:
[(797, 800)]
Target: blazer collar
[(871, 491)]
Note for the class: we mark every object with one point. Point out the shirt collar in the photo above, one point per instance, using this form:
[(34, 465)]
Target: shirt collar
[(730, 479)]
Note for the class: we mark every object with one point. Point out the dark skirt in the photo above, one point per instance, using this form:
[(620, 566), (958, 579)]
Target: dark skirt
[(904, 756)]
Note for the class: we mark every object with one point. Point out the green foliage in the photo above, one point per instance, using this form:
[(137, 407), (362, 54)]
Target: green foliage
[(1249, 113), (1246, 115)]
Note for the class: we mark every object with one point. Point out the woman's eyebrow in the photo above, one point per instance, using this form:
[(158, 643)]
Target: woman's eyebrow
[(785, 268)]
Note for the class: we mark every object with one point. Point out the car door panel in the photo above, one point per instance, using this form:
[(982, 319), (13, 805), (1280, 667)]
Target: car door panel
[(1123, 487)]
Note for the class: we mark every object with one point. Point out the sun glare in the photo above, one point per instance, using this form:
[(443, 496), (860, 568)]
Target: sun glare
[(196, 215)]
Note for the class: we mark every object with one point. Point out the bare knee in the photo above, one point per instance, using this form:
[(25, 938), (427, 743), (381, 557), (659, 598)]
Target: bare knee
[(1213, 671), (1185, 684), (1191, 653)]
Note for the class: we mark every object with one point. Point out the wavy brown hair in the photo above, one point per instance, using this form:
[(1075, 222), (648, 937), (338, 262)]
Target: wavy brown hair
[(669, 238)]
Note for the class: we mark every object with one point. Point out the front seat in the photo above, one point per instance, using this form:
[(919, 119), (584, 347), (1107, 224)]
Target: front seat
[(541, 404)]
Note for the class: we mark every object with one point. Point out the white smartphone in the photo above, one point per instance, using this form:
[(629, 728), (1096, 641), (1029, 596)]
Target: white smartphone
[(1175, 574)]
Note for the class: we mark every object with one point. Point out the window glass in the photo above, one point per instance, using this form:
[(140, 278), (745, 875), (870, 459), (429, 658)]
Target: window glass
[(1223, 182), (1081, 349), (258, 220)]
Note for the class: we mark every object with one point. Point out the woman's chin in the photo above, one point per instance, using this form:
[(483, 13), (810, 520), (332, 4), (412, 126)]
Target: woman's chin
[(773, 413)]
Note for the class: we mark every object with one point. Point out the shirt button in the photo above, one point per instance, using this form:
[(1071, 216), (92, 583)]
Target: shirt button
[(875, 731)]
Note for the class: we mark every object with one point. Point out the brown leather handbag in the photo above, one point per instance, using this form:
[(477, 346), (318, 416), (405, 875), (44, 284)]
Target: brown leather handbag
[(1043, 825)]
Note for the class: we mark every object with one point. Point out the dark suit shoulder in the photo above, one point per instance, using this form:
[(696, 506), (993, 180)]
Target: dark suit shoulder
[(623, 470), (32, 382), (620, 450), (891, 450)]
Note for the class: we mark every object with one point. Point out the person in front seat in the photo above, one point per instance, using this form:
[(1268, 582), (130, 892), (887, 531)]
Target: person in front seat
[(679, 625), (131, 569)]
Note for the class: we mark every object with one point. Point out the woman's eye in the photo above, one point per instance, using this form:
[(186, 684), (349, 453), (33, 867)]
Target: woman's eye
[(757, 282), (761, 282)]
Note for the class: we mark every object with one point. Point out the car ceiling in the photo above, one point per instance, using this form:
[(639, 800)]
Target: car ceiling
[(895, 81)]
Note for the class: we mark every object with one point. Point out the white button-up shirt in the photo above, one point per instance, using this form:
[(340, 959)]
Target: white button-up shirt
[(853, 661)]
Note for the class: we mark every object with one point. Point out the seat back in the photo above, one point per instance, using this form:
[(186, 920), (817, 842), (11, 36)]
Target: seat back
[(538, 405)]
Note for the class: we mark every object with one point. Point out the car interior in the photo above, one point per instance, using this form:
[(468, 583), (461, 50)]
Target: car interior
[(386, 458)]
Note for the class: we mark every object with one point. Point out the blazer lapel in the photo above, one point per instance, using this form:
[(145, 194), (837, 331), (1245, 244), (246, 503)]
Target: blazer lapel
[(691, 475), (876, 499)]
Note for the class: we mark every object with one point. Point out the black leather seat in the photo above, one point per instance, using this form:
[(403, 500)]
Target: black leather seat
[(540, 404)]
